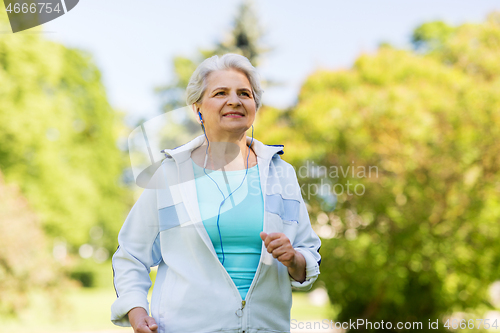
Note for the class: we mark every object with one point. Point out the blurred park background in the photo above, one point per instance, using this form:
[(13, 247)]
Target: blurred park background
[(401, 152)]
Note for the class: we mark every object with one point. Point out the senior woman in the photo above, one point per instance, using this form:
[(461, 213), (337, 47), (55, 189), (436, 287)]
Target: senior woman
[(230, 232)]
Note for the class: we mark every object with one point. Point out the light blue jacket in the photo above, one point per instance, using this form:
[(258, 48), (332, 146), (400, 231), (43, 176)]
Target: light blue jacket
[(193, 292)]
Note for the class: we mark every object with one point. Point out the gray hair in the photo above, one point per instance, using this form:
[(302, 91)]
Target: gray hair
[(197, 83)]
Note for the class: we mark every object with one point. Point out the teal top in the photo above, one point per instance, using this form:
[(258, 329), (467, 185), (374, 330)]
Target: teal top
[(240, 222)]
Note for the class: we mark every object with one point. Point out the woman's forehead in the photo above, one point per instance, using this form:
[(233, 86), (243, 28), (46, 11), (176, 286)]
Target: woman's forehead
[(224, 77)]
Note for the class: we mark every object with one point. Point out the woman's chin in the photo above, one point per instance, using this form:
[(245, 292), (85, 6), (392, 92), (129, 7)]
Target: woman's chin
[(234, 128)]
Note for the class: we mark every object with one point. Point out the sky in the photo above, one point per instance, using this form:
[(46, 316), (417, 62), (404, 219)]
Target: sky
[(134, 43)]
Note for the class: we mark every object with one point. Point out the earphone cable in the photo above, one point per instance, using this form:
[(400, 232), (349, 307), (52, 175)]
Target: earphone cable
[(220, 206)]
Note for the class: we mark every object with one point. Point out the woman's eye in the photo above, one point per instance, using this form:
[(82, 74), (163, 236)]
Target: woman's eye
[(244, 93)]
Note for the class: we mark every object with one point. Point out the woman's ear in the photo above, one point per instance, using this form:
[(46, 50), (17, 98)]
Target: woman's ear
[(196, 109)]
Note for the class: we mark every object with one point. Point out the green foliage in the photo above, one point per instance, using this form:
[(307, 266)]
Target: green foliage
[(421, 240), (431, 35), (25, 262), (473, 48), (85, 273), (58, 138)]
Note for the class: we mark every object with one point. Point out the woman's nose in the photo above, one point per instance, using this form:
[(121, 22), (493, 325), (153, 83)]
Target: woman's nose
[(233, 99)]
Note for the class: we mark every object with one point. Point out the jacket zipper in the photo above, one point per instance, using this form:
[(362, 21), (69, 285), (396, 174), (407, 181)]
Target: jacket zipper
[(244, 323), (239, 313)]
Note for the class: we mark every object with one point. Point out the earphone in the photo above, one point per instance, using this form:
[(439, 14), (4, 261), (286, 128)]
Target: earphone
[(223, 201)]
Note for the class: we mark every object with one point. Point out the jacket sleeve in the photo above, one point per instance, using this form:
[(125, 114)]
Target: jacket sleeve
[(138, 250), (308, 244)]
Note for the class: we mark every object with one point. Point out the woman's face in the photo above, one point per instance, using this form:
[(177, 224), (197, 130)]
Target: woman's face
[(228, 106)]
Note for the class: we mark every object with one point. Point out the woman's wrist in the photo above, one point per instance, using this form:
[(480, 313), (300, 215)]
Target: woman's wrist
[(135, 314), (298, 269)]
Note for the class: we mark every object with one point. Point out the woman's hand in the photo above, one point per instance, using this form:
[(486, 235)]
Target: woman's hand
[(141, 322), (280, 247)]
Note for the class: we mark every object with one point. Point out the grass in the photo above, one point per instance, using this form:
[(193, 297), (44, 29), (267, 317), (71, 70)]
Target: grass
[(84, 310), (303, 310)]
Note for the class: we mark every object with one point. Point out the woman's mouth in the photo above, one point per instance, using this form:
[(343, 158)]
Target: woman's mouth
[(233, 115)]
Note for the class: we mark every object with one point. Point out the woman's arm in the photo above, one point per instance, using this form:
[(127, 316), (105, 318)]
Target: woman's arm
[(136, 254), (307, 243)]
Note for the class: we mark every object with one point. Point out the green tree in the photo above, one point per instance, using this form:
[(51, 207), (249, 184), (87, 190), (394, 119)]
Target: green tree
[(472, 48), (419, 240), (58, 138)]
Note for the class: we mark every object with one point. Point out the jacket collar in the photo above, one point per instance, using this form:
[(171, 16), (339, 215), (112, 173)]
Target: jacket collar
[(182, 153)]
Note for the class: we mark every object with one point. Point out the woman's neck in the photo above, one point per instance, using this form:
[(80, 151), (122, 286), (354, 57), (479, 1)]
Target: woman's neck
[(226, 155)]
